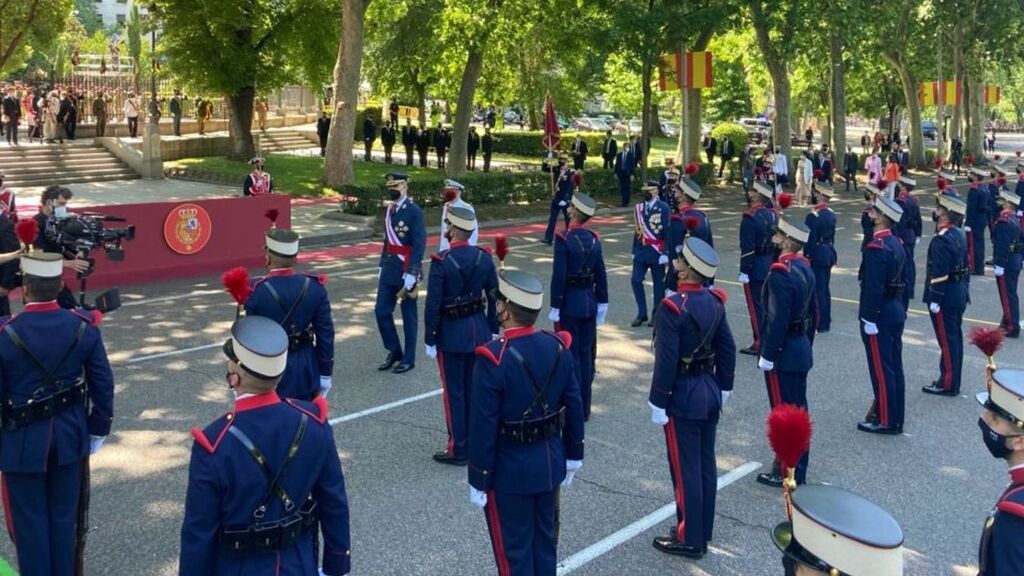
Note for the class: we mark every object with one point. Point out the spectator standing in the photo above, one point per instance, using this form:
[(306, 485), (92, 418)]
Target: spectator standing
[(11, 107), (99, 112), (131, 114)]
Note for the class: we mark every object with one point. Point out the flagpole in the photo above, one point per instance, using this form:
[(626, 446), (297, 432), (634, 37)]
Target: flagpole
[(684, 88)]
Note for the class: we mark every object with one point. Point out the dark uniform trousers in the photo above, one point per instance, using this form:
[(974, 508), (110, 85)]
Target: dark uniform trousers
[(789, 388), (948, 326), (524, 532), (384, 310), (584, 340), (691, 457), (405, 223), (823, 293), (42, 515), (885, 366), (456, 376)]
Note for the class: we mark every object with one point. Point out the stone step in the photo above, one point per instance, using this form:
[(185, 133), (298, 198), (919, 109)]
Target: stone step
[(72, 178), (12, 166), (45, 165), (57, 151)]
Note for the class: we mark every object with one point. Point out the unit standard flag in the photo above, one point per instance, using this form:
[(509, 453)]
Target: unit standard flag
[(698, 70), (670, 72)]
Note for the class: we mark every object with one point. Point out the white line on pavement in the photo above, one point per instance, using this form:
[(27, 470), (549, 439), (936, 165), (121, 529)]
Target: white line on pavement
[(169, 298), (171, 353), (383, 407), (606, 544)]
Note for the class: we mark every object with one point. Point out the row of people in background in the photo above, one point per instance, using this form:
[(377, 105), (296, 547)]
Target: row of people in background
[(419, 141)]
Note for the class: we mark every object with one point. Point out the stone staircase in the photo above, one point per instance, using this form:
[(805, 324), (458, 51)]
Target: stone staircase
[(285, 140), (61, 164)]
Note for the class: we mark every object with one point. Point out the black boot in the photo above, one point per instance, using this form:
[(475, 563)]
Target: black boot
[(669, 545), (390, 360)]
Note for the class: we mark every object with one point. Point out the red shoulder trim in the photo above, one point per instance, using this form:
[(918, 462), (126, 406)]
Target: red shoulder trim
[(486, 352), (874, 245), (560, 234), (672, 305), (564, 337), (1003, 219), (201, 439), (322, 279), (721, 294), (321, 417), (748, 213), (596, 235), (779, 266), (486, 249), (437, 256), (1012, 508), (93, 318), (7, 321), (321, 403)]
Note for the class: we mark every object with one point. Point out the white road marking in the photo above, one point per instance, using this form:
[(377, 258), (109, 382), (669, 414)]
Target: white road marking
[(605, 545), (171, 298), (383, 407), (170, 353)]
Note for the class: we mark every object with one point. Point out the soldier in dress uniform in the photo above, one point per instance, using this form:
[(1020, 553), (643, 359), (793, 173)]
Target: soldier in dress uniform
[(947, 292), (562, 188), (687, 221), (666, 183), (650, 251), (909, 230), (820, 250), (1007, 247), (299, 303), (867, 223), (525, 430), (834, 532), (757, 252), (257, 182), (58, 393), (882, 316), (977, 220), (579, 290), (694, 368), (453, 199), (459, 316), (790, 304), (405, 240), (263, 476), (1001, 552)]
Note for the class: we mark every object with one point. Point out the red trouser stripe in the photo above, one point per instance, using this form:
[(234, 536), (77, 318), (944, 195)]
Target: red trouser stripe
[(876, 365), (970, 250), (947, 363), (7, 508), (1004, 297), (450, 447), (753, 313), (677, 473), (774, 391), (491, 509)]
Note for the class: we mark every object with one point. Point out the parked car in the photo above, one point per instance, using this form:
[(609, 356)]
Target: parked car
[(757, 128), (671, 129), (928, 129), (590, 125)]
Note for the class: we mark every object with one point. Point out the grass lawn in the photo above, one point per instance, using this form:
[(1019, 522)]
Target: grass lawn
[(6, 569)]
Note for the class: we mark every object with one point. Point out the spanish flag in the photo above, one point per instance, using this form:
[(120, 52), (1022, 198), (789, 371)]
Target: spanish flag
[(698, 70), (670, 72), (928, 94), (950, 92), (992, 95)]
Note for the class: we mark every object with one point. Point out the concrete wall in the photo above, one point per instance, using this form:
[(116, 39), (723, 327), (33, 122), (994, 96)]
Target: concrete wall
[(189, 126)]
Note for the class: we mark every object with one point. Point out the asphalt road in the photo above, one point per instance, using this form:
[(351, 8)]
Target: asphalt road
[(410, 516)]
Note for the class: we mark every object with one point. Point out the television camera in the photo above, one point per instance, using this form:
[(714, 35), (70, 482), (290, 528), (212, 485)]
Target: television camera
[(79, 235)]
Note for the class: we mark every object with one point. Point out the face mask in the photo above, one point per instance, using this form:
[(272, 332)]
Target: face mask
[(394, 194), (449, 195), (994, 441), (448, 235), (935, 216), (60, 211), (648, 196), (232, 380)]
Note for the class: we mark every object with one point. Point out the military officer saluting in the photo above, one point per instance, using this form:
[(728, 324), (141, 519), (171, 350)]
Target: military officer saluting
[(821, 251), (452, 193), (299, 303), (1007, 247), (58, 404), (790, 304), (404, 242), (525, 430), (694, 367), (459, 316), (264, 475), (650, 252), (757, 253), (946, 292), (1001, 552), (882, 316), (579, 290)]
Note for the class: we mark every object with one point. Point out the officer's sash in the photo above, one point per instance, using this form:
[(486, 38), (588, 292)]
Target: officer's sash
[(260, 184), (395, 245), (648, 237)]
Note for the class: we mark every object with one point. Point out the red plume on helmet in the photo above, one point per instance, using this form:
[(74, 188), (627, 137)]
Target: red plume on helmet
[(577, 178), (937, 163), (272, 214), (988, 340), (997, 157), (692, 223), (758, 171), (27, 230), (501, 248), (819, 174), (969, 160), (789, 433), (941, 183), (1018, 153), (691, 169), (236, 281), (785, 200)]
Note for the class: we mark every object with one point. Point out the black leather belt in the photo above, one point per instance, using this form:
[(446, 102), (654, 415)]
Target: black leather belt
[(42, 408), (264, 537), (799, 327), (536, 430), (302, 338), (464, 309), (697, 366), (580, 280), (895, 289)]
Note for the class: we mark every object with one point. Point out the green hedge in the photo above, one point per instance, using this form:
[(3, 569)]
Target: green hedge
[(528, 143), (737, 133), (374, 113)]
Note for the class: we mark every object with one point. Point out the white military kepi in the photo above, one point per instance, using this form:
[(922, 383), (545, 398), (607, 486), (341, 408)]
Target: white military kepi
[(1009, 197), (522, 289), (690, 188), (259, 345), (794, 230), (908, 181), (42, 264), (454, 184), (584, 203), (462, 218), (838, 532), (947, 176), (889, 208), (979, 172), (764, 190), (1006, 397), (282, 242), (953, 204), (1002, 169), (825, 188), (700, 256)]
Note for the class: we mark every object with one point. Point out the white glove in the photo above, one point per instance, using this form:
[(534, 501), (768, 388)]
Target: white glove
[(495, 336), (431, 351), (967, 228), (1020, 213), (554, 315), (662, 260), (918, 241), (95, 442), (325, 386), (670, 292), (410, 281), (602, 311), (379, 270), (658, 415), (765, 365), (744, 279), (561, 203), (571, 466), (477, 498), (725, 396), (934, 307), (999, 270), (870, 328)]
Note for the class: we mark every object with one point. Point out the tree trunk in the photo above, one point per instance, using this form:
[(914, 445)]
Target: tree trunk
[(645, 129), (656, 131), (909, 83), (696, 104), (780, 83), (974, 104), (956, 128), (533, 116), (421, 102), (837, 94), (338, 162), (690, 110), (240, 123), (464, 111)]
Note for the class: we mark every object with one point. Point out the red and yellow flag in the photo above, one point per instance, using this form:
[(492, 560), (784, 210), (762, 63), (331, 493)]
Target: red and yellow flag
[(950, 92), (670, 72), (992, 95), (928, 94), (698, 70)]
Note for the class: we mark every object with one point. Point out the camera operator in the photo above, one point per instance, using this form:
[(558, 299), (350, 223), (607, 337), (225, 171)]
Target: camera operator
[(53, 206)]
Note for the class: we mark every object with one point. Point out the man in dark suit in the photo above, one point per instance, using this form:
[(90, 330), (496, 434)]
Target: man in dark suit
[(393, 109), (625, 163), (710, 146), (369, 135), (387, 138), (440, 145), (488, 148), (728, 150), (423, 145), (472, 145), (609, 150), (11, 116), (850, 163), (175, 106), (408, 140), (579, 153), (903, 159)]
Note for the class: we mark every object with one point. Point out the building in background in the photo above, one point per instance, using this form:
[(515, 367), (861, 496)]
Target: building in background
[(116, 11)]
